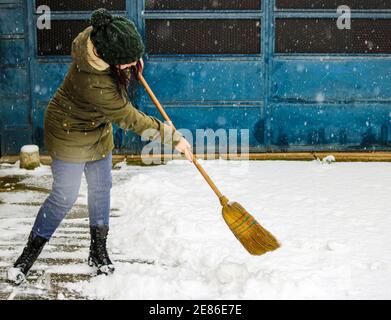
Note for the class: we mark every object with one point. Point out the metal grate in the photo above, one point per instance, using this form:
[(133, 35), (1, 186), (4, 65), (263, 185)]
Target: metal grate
[(193, 36), (203, 4), (323, 36), (84, 5), (333, 4), (57, 41)]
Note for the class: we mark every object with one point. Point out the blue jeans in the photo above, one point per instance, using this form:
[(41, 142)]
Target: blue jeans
[(65, 190)]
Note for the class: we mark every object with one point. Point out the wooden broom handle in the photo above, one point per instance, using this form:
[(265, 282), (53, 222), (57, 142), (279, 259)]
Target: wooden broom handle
[(167, 118)]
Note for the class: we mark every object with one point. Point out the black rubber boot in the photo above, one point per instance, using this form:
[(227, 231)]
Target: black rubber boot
[(30, 253), (98, 251)]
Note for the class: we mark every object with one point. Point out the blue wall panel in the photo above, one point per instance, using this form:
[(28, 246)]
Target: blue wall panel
[(331, 127), (13, 82), (12, 51), (187, 81), (15, 138), (15, 108), (244, 120), (221, 117), (320, 80), (16, 112), (12, 20)]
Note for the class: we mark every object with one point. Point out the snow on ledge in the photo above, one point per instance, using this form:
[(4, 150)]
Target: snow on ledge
[(30, 148)]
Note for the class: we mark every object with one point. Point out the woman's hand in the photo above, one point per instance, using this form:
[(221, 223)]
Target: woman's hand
[(137, 67), (184, 147), (140, 66)]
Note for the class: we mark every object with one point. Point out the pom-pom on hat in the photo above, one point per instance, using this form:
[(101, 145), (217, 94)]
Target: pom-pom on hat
[(116, 39)]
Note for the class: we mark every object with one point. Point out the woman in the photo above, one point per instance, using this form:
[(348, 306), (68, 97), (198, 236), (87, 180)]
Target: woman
[(79, 137)]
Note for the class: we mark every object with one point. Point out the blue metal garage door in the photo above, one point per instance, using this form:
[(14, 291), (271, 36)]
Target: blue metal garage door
[(280, 69)]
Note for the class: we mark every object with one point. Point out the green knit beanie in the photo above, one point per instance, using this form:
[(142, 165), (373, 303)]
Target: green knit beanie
[(116, 39)]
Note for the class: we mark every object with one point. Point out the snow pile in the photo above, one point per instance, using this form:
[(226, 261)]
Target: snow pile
[(7, 169), (15, 275), (29, 148), (329, 159), (170, 241)]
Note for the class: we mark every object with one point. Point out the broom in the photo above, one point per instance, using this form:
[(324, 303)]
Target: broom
[(256, 239)]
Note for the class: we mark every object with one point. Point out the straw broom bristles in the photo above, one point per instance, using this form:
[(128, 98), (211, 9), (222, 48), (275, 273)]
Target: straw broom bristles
[(256, 239)]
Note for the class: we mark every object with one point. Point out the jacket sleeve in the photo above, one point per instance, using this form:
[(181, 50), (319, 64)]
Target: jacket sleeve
[(119, 110)]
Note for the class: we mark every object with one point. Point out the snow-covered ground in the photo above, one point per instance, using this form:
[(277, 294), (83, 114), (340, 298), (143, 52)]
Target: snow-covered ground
[(169, 240)]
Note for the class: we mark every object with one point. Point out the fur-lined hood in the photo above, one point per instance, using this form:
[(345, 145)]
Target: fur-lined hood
[(84, 56)]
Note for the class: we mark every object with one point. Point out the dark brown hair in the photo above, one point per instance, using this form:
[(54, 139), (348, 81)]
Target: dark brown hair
[(122, 78)]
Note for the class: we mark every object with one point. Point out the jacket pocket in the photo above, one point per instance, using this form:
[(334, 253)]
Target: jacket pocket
[(78, 125)]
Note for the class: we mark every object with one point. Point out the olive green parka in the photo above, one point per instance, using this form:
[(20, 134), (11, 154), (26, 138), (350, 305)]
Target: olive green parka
[(78, 120)]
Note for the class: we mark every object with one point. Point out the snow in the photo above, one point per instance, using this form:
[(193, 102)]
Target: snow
[(29, 149), (328, 159), (320, 97), (169, 240), (15, 275)]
